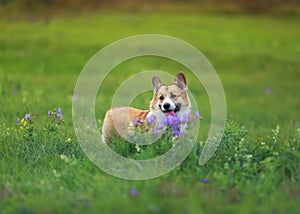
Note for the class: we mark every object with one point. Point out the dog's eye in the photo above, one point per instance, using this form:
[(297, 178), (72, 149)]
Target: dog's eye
[(173, 96), (161, 97)]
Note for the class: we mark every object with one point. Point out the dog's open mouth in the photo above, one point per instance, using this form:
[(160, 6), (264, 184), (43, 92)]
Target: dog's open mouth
[(173, 111)]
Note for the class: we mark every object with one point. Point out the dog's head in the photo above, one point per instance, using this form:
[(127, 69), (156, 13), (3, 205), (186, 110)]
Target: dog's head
[(170, 99)]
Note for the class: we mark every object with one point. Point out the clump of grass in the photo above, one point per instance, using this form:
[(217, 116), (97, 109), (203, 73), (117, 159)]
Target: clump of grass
[(34, 142), (240, 160)]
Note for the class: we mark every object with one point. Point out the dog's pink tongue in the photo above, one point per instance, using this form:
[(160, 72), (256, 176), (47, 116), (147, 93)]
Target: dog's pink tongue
[(170, 113)]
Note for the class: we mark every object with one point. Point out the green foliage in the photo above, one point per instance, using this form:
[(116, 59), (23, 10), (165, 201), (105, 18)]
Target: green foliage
[(267, 159), (53, 159), (254, 170)]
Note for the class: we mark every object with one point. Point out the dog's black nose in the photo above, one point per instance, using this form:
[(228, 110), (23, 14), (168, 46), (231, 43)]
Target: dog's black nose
[(166, 106)]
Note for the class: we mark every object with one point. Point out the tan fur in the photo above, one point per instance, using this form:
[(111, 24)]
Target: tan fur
[(118, 119), (166, 91)]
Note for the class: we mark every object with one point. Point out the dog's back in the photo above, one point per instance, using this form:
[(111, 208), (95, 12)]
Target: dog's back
[(118, 119)]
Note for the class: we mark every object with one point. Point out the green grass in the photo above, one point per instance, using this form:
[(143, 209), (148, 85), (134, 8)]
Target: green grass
[(255, 169)]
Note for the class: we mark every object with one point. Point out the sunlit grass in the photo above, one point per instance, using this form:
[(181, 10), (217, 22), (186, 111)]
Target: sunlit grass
[(255, 169)]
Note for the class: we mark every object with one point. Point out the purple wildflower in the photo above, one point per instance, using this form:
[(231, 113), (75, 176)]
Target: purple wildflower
[(150, 119), (134, 192), (204, 180), (155, 130), (135, 122), (27, 116), (86, 203), (49, 113), (177, 133), (59, 112), (17, 120), (158, 128), (15, 91), (174, 122), (268, 91), (197, 114), (185, 118), (165, 121)]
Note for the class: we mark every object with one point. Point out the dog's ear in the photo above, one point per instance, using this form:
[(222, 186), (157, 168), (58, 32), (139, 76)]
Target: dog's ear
[(156, 83), (180, 80)]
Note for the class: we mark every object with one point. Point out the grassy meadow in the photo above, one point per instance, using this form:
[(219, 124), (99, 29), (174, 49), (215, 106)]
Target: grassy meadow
[(256, 168)]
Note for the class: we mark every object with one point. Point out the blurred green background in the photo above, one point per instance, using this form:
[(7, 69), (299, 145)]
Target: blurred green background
[(253, 46)]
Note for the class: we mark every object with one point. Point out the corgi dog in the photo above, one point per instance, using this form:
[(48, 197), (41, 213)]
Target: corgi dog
[(167, 100)]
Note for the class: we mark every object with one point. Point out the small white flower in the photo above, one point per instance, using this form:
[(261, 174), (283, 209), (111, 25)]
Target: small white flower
[(201, 143), (65, 158), (248, 156), (56, 174), (137, 147), (68, 140)]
